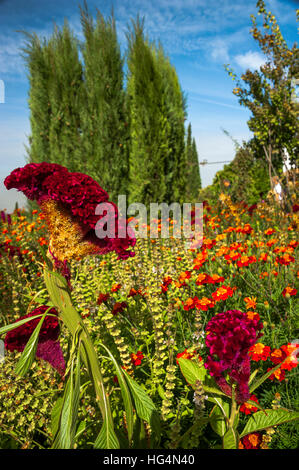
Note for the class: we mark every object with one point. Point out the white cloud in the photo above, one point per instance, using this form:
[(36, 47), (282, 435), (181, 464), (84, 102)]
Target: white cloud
[(250, 60)]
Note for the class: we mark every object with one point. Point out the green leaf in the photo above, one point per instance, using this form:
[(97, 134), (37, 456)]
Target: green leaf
[(28, 355), (65, 423), (218, 417), (107, 438), (230, 439), (125, 395), (5, 329), (55, 416), (268, 418), (144, 406), (264, 377), (194, 371)]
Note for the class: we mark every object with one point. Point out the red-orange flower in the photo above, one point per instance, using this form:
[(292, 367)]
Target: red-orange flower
[(250, 302), (222, 293), (289, 291), (251, 441), (247, 408), (259, 352), (137, 358)]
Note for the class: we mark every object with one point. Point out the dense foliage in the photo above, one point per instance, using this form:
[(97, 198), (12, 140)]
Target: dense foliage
[(152, 310)]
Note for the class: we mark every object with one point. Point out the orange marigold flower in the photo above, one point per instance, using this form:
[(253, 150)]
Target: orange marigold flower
[(247, 408), (202, 278), (277, 374), (190, 303), (269, 231), (185, 355), (204, 304), (285, 259), (245, 261), (263, 257), (137, 358), (252, 315), (215, 279), (272, 242), (115, 287), (222, 293), (250, 302), (289, 291), (259, 352)]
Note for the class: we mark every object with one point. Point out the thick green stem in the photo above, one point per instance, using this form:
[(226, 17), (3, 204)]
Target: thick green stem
[(59, 295)]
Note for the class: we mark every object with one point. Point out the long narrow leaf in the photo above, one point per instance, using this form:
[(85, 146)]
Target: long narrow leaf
[(5, 329), (28, 355), (125, 395), (144, 406)]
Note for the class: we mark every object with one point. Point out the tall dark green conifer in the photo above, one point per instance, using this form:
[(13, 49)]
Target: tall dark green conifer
[(193, 175), (104, 121), (175, 114), (36, 60), (148, 122), (55, 75)]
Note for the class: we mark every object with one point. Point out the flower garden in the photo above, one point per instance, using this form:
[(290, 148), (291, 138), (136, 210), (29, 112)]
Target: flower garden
[(142, 343)]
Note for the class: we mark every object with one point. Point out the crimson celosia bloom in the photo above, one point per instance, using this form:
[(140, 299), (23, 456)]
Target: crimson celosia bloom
[(230, 336), (69, 200), (48, 347)]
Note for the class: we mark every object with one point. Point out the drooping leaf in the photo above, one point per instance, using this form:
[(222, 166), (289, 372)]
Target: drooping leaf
[(193, 371), (28, 355), (107, 438), (218, 417), (268, 418), (5, 329), (125, 395), (144, 406), (264, 377), (230, 439)]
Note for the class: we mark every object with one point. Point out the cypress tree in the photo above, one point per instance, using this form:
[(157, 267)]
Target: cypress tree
[(104, 120), (148, 122), (193, 175), (175, 114), (55, 76), (38, 99), (65, 90)]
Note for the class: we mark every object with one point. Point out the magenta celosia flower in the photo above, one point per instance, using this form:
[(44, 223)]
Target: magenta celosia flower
[(48, 347), (229, 337), (69, 202)]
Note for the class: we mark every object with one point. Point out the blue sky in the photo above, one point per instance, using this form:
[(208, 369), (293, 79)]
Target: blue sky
[(199, 36)]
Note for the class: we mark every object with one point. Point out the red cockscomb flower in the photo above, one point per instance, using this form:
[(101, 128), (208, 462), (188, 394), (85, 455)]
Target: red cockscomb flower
[(69, 202), (48, 347), (230, 336)]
